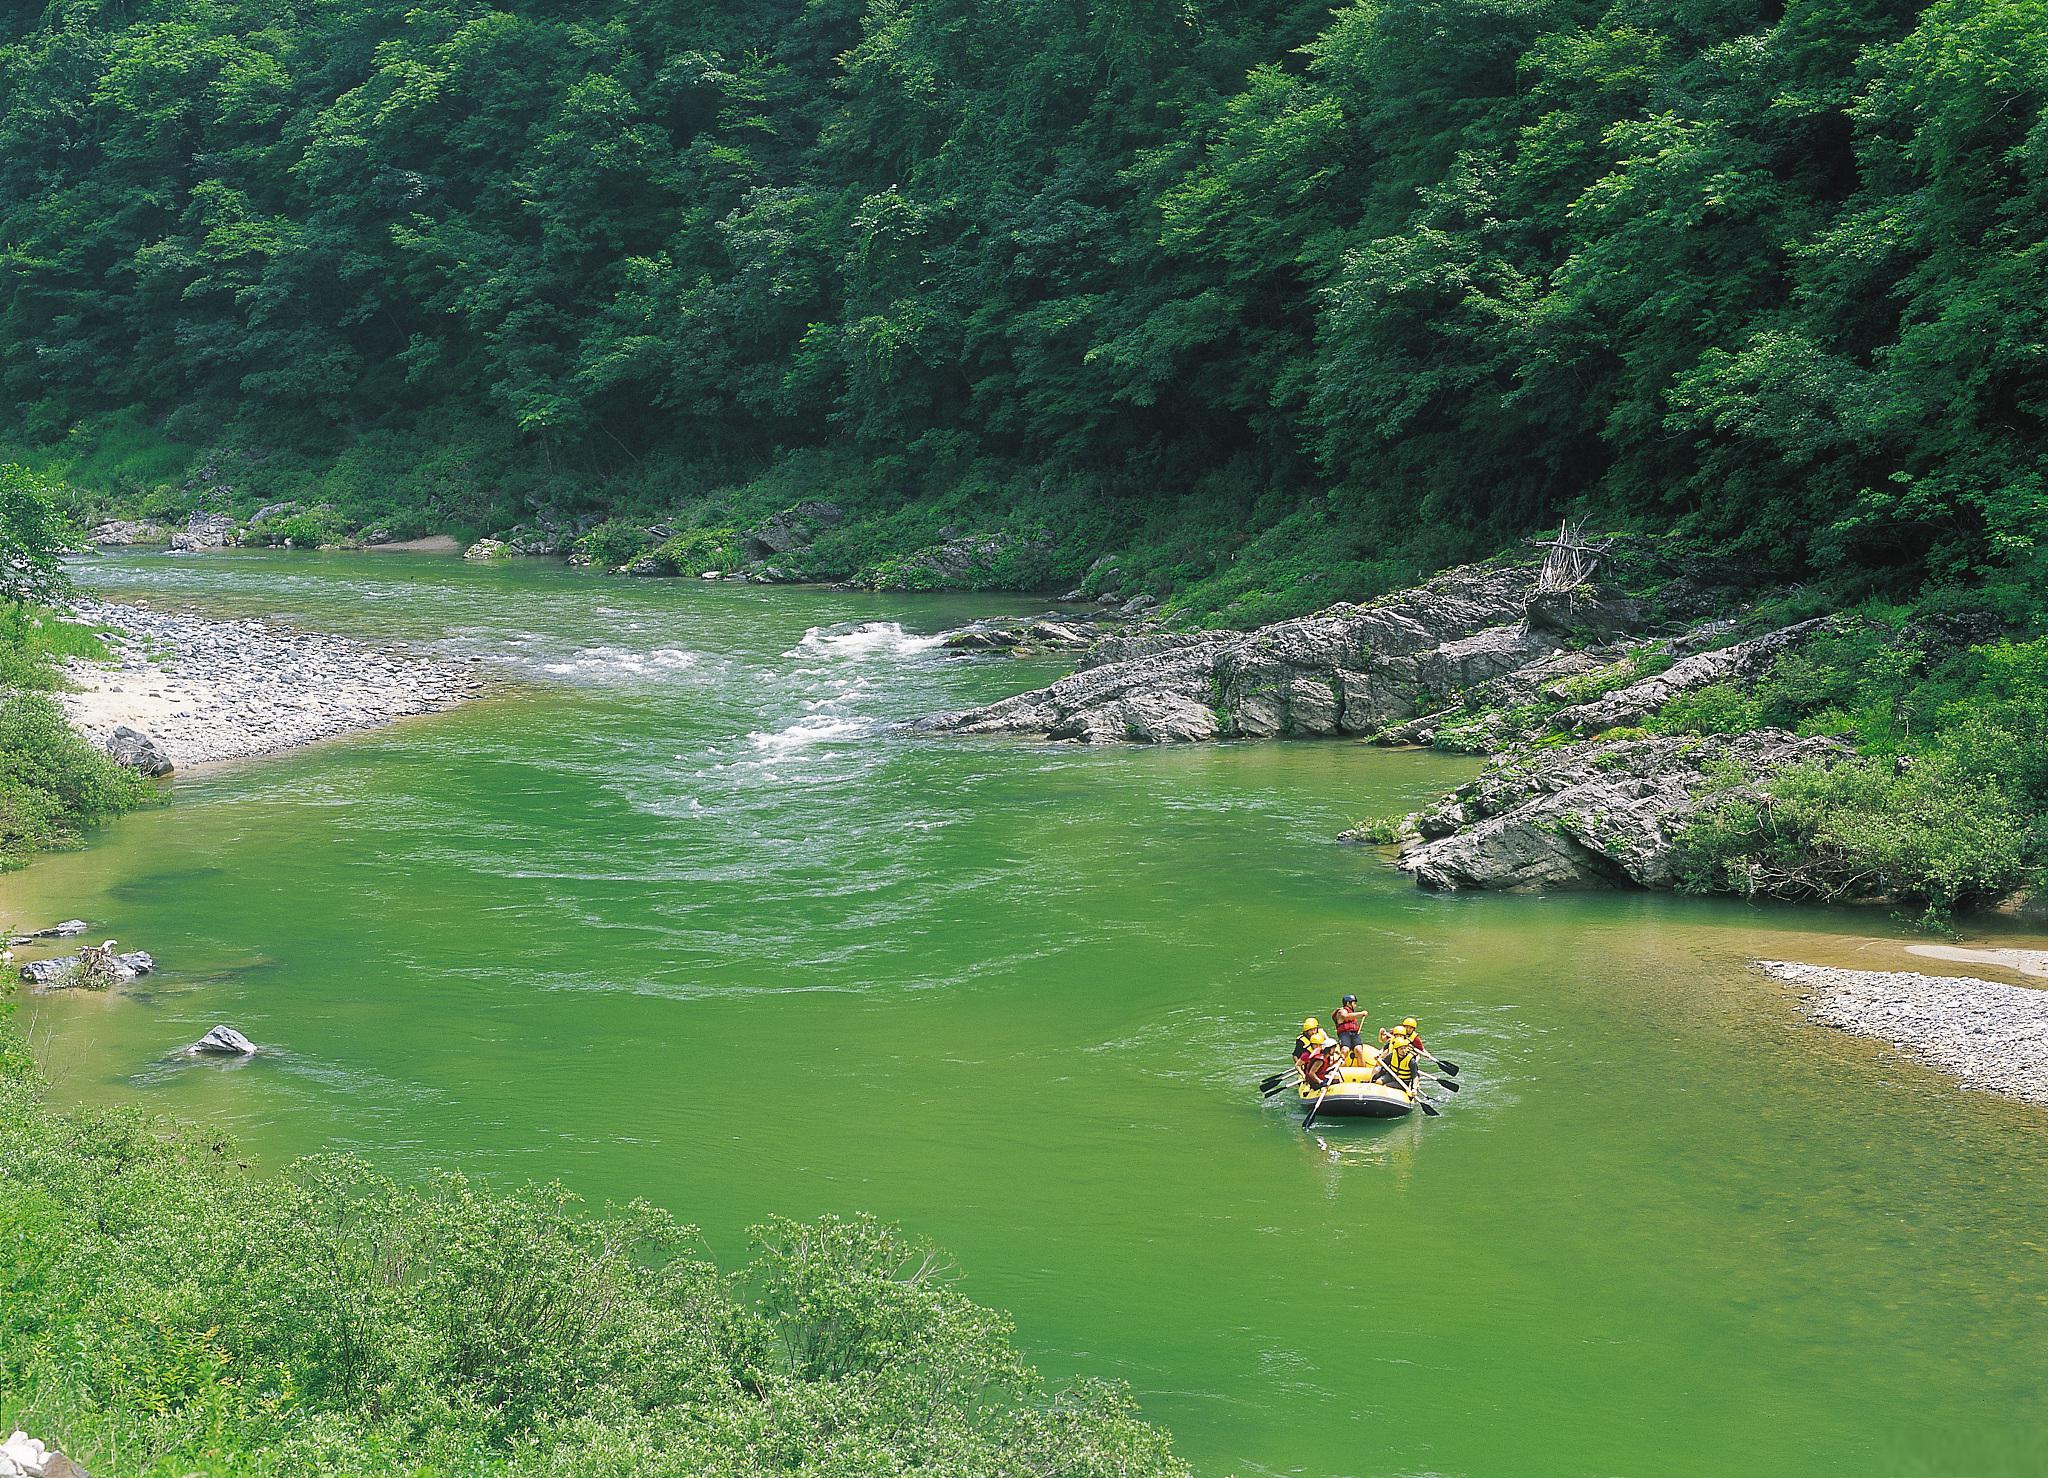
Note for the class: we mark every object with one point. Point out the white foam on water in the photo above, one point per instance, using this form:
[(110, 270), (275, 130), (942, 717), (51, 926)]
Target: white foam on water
[(612, 664), (806, 733), (859, 640)]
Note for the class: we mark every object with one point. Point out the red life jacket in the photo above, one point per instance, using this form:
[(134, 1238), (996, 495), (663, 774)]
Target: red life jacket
[(1346, 1018)]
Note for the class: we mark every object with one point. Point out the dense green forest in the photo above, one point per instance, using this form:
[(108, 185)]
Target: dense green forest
[(1281, 301)]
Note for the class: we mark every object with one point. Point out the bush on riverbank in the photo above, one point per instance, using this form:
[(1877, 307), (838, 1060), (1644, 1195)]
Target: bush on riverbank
[(53, 784), (1929, 836), (166, 1311), (1945, 805)]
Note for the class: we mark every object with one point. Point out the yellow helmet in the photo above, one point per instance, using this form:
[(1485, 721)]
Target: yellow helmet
[(1310, 1025), (1410, 1023)]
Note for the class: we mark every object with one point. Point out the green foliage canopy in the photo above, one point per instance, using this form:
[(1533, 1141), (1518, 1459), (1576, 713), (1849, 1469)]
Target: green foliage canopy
[(1420, 274)]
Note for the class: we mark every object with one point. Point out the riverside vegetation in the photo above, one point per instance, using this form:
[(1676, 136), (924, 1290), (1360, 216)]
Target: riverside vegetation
[(1276, 304), (168, 1312), (53, 784)]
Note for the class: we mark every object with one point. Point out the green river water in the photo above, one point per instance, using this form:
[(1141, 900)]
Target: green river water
[(1016, 997)]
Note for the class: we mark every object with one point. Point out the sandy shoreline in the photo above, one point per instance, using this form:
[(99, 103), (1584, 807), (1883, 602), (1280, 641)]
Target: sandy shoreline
[(207, 689), (1991, 1037)]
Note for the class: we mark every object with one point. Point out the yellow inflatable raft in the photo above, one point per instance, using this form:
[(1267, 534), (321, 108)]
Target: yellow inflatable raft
[(1354, 1096)]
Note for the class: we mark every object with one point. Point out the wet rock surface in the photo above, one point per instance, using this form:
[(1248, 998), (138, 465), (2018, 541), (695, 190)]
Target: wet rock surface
[(222, 1041), (190, 690), (1053, 631), (69, 929), (1991, 1037), (1587, 814)]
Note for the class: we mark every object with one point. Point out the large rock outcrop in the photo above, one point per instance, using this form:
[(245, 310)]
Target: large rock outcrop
[(1588, 814), (205, 531), (1352, 669), (791, 529), (122, 533)]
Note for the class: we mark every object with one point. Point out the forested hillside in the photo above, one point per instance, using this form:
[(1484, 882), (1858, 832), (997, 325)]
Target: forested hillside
[(1283, 301)]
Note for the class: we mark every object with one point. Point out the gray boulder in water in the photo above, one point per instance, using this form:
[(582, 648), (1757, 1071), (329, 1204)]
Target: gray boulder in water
[(222, 1041), (138, 751), (66, 930), (67, 971)]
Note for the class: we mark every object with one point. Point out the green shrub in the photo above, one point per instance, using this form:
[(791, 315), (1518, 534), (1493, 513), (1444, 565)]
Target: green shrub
[(53, 784), (1718, 708), (694, 551), (167, 1309), (1381, 831), (614, 543), (312, 529), (33, 639), (1932, 834)]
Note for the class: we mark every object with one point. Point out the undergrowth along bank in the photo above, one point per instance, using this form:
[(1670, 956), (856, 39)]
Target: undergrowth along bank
[(165, 1310)]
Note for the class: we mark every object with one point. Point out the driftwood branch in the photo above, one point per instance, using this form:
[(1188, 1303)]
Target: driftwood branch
[(1570, 563)]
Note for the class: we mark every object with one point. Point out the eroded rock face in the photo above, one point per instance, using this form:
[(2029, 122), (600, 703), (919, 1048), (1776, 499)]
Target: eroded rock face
[(1051, 632), (1587, 814), (120, 533), (1347, 670), (792, 528), (205, 531), (1636, 702)]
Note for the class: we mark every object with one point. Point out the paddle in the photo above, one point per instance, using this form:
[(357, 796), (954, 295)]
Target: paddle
[(1316, 1107), (1428, 1109), (1449, 1067)]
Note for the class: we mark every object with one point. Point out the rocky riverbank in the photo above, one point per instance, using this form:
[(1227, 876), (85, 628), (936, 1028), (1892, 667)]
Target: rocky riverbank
[(1990, 1037), (1538, 664), (187, 690)]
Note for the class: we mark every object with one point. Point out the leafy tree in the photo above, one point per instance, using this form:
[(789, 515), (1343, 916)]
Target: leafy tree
[(34, 534)]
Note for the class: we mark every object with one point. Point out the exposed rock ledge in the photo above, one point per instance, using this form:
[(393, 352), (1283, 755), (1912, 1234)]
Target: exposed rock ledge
[(1347, 670), (191, 689), (1587, 814), (1992, 1037)]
